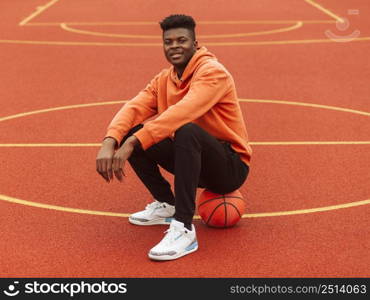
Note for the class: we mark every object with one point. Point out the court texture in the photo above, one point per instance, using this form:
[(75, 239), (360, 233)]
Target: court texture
[(301, 69)]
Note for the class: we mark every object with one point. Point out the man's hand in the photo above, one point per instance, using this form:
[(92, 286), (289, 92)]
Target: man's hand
[(108, 162), (105, 158), (123, 154)]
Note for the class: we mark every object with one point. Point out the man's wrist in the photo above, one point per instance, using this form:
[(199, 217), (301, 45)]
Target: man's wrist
[(134, 141), (110, 142)]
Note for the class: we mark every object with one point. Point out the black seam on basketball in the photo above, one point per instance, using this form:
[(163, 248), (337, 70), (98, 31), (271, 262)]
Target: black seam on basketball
[(213, 211), (236, 197), (225, 222), (235, 208)]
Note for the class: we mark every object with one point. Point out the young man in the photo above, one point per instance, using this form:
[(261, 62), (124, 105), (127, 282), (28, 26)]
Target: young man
[(198, 134)]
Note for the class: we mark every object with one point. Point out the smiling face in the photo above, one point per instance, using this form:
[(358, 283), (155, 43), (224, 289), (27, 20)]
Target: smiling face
[(179, 46)]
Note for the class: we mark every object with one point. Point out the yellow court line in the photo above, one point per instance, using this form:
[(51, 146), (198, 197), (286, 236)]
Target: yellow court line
[(38, 11), (60, 108), (73, 145), (310, 143), (342, 40), (125, 215), (61, 208), (325, 10), (288, 42), (269, 214), (358, 112), (66, 27), (68, 43), (143, 23), (282, 143), (335, 108), (31, 145), (307, 211)]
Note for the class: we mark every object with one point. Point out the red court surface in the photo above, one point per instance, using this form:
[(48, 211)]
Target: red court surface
[(302, 73)]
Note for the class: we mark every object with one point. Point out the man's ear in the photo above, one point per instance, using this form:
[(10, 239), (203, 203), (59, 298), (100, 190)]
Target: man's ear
[(196, 44)]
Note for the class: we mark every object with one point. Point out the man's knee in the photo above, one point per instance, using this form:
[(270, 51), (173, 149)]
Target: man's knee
[(187, 130), (188, 135)]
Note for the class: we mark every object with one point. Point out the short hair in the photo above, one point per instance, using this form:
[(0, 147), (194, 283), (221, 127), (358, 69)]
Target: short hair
[(178, 21)]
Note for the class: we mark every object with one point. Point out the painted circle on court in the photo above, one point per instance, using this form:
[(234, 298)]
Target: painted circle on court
[(104, 213)]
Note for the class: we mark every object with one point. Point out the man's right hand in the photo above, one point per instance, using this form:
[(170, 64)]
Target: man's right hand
[(104, 160)]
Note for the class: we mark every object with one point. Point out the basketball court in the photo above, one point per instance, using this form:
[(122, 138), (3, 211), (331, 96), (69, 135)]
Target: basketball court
[(301, 70)]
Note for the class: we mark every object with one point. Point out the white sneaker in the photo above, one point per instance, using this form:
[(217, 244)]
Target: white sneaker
[(178, 241), (154, 213)]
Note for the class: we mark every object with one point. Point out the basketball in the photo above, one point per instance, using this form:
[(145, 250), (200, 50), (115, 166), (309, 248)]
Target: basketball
[(220, 210)]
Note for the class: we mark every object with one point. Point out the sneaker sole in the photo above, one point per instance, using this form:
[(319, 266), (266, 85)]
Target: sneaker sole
[(172, 257), (161, 221)]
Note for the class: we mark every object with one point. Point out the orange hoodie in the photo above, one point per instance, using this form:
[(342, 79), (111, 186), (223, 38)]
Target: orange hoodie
[(205, 95)]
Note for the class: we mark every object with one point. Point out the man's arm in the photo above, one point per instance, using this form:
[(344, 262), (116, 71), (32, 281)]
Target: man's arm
[(140, 108), (104, 158), (134, 112)]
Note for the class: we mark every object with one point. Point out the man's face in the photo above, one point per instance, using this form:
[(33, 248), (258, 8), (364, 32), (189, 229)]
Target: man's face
[(179, 46)]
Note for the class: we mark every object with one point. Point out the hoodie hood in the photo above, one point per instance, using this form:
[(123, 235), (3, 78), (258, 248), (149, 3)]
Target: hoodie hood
[(200, 56)]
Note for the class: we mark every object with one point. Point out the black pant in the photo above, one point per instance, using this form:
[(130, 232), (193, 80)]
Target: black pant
[(197, 159)]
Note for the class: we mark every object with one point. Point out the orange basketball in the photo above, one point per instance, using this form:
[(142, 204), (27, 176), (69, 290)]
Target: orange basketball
[(220, 210)]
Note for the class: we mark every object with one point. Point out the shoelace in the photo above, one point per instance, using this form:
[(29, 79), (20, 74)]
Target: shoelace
[(172, 233), (152, 206)]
